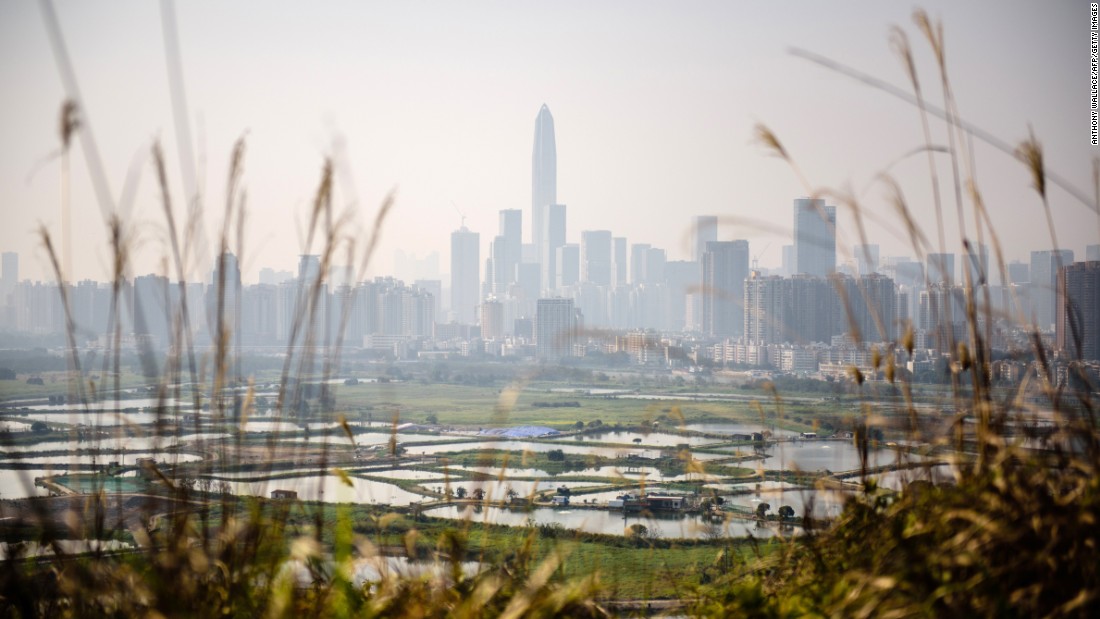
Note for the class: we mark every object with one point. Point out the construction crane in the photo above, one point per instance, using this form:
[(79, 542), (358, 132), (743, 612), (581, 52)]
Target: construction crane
[(463, 222), (756, 257)]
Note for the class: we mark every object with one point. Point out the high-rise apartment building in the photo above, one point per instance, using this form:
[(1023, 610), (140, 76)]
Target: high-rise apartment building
[(555, 329), (596, 257), (725, 268), (465, 276), (511, 232), (1077, 328), (814, 237)]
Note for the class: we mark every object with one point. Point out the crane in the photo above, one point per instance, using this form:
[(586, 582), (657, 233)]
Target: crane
[(756, 257), (463, 221)]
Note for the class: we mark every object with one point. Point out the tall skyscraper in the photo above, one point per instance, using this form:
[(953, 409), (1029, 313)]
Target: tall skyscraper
[(704, 230), (596, 257), (1077, 329), (940, 269), (567, 265), (618, 261), (725, 268), (814, 237), (465, 260), (639, 259), (544, 175), (1044, 278), (555, 329), (511, 229), (553, 237)]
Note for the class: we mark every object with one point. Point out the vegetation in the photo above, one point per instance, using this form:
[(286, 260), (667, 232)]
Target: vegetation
[(1016, 535)]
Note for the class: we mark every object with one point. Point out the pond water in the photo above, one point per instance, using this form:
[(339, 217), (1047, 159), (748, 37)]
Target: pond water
[(498, 490), (330, 489), (406, 474), (738, 428), (565, 447), (103, 405), (114, 443), (602, 521), (124, 459), (897, 480), (368, 438), (653, 439), (816, 455), (825, 503), (19, 483)]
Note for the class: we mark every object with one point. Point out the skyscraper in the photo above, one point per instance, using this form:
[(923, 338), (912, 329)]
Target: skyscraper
[(703, 231), (1044, 277), (1077, 330), (465, 259), (555, 326), (544, 176), (553, 237), (511, 229), (814, 237), (725, 268), (866, 259), (596, 257), (940, 269), (618, 261)]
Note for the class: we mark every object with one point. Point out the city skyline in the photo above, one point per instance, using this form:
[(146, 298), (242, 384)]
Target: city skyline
[(622, 148)]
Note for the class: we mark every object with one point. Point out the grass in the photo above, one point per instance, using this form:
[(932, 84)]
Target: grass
[(1016, 535)]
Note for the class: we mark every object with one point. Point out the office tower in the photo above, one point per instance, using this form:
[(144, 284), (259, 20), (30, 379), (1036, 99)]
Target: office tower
[(814, 237), (639, 258), (866, 259), (655, 260), (1092, 253), (814, 313), (309, 267), (1018, 272), (788, 267), (499, 277), (553, 237), (555, 329), (152, 308), (872, 306), (1077, 328), (567, 265), (224, 296), (618, 261), (725, 268), (976, 265), (10, 275), (465, 260), (511, 229), (940, 269), (943, 316), (681, 279), (492, 320), (1044, 277), (596, 257), (767, 305), (704, 230), (544, 176)]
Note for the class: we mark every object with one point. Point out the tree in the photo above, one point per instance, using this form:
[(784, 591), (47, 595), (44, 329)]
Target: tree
[(786, 512), (555, 455), (479, 494), (460, 493), (579, 425), (433, 419), (762, 509), (40, 427), (7, 374)]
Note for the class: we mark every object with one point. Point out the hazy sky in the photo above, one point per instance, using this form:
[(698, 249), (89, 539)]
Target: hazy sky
[(654, 106)]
